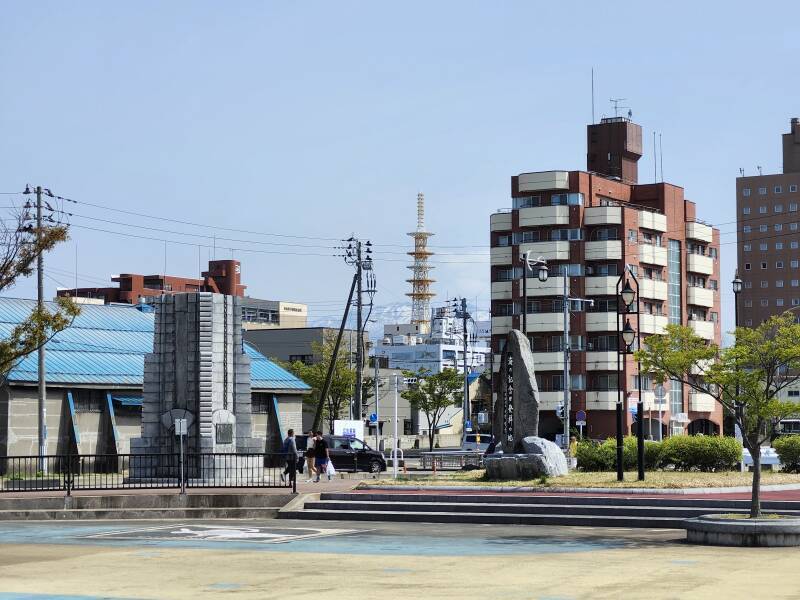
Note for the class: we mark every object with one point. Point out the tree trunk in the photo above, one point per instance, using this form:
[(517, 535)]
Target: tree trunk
[(755, 501)]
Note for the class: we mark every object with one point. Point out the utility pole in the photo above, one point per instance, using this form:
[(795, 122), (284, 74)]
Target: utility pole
[(377, 405), (353, 256), (41, 366), (461, 313)]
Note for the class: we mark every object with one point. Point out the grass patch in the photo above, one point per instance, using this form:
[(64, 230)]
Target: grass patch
[(653, 480), (742, 517)]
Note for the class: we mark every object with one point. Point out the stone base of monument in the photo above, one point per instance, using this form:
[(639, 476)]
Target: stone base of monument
[(541, 457)]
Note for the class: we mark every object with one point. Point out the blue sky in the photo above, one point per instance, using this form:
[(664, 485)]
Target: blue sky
[(322, 119)]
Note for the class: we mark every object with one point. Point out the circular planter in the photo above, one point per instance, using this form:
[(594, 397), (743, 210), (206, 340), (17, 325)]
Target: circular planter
[(715, 530)]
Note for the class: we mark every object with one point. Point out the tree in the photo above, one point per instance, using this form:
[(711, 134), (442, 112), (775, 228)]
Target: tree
[(20, 246), (433, 394), (746, 378), (342, 381)]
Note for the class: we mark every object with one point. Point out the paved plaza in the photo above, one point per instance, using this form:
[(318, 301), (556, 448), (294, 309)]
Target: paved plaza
[(273, 559)]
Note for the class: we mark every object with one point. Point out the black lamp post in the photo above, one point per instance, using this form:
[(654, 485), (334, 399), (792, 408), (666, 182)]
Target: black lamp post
[(542, 273), (736, 284), (628, 304)]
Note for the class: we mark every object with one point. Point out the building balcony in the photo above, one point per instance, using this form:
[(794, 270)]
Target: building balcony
[(701, 367), (550, 400), (502, 325), (601, 361), (699, 231), (601, 286), (543, 180), (548, 361), (649, 401), (653, 289), (547, 250), (703, 329), (605, 250), (697, 263), (602, 215), (500, 255), (701, 402), (652, 220), (700, 296), (554, 286), (653, 255), (606, 400), (543, 215), (500, 221), (601, 321), (545, 322), (652, 324), (501, 290)]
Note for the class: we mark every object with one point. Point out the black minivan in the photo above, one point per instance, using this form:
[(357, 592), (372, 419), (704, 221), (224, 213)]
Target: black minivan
[(348, 454)]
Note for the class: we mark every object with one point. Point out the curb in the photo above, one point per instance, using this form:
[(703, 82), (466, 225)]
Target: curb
[(578, 490)]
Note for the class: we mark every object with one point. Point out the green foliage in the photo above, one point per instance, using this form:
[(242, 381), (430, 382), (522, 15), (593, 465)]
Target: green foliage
[(682, 453), (433, 394), (20, 246), (788, 449), (342, 381), (700, 453)]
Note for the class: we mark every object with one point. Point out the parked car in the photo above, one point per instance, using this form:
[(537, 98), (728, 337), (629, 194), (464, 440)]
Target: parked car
[(349, 454), (476, 442)]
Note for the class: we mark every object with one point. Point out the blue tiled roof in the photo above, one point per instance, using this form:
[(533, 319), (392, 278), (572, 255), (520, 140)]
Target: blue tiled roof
[(106, 344)]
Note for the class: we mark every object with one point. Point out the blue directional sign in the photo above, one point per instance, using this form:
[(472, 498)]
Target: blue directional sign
[(373, 418), (468, 425)]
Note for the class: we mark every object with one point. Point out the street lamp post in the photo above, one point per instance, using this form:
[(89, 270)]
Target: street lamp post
[(736, 284), (626, 297), (528, 265)]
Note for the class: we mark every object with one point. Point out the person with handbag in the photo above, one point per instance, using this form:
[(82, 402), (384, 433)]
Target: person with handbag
[(310, 439), (321, 455)]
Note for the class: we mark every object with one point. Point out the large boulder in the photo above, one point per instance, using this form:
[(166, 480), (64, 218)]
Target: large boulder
[(552, 461)]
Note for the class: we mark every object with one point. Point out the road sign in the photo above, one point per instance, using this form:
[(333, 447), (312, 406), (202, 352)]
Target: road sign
[(632, 409), (373, 418), (181, 427), (580, 416), (660, 392), (468, 425), (580, 423)]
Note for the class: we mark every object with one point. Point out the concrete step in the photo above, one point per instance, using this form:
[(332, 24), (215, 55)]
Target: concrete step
[(147, 501), (139, 513), (488, 518), (524, 509)]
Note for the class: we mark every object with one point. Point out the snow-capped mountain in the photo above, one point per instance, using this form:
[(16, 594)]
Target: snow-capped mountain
[(386, 314)]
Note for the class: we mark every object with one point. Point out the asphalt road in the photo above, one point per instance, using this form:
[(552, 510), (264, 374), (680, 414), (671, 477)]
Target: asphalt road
[(325, 559)]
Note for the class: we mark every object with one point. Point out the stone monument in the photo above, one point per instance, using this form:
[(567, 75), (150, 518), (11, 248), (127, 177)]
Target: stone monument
[(197, 371), (516, 420)]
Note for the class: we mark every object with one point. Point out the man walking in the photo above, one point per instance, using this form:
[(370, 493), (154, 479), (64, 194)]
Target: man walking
[(321, 455), (290, 451)]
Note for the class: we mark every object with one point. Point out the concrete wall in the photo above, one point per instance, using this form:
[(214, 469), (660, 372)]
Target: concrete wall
[(19, 429)]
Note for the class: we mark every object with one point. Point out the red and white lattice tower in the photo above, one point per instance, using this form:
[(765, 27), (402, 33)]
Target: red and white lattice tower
[(421, 281)]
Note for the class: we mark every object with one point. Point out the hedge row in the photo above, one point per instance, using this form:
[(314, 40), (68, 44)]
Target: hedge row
[(681, 453), (788, 449)]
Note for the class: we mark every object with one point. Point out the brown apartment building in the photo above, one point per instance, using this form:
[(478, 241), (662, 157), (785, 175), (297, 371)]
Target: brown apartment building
[(587, 225), (767, 219)]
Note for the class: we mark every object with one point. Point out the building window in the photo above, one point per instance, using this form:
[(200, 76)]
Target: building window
[(260, 402), (526, 201), (793, 226), (778, 301), (748, 303), (795, 264), (748, 285), (674, 282), (779, 283), (778, 245), (762, 210), (504, 240), (746, 210), (778, 227), (795, 282), (793, 245), (762, 191), (746, 266), (793, 207), (632, 236), (777, 189), (745, 191), (764, 302), (88, 400), (762, 228), (763, 246), (779, 208), (793, 187), (763, 265), (795, 301), (747, 229), (778, 264), (749, 322), (764, 283), (747, 247)]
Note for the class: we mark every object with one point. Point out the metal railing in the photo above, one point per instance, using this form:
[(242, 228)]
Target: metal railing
[(137, 471), (450, 460)]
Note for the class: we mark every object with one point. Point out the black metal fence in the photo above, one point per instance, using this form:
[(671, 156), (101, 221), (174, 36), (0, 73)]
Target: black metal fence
[(136, 471)]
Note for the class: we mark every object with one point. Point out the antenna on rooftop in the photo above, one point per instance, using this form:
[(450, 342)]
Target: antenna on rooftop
[(615, 102), (759, 169), (741, 172)]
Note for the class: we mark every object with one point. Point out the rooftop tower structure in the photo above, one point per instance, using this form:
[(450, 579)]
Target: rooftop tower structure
[(421, 281)]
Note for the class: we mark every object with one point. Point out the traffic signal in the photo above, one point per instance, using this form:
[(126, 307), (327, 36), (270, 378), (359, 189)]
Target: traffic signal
[(560, 410)]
